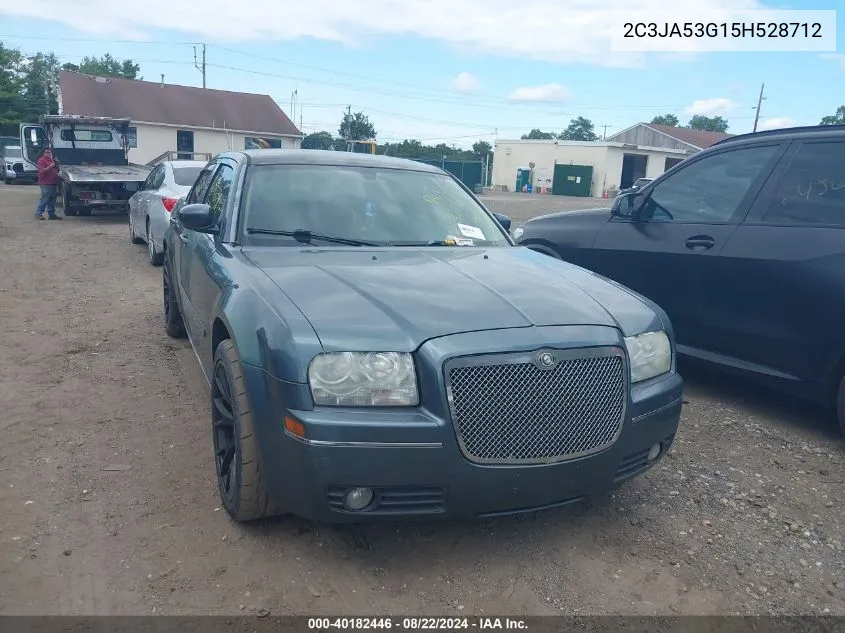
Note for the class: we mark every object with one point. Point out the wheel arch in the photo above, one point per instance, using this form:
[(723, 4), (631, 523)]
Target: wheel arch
[(271, 334), (542, 246)]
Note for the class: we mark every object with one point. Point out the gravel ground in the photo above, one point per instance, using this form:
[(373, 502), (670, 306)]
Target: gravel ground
[(520, 207), (110, 506)]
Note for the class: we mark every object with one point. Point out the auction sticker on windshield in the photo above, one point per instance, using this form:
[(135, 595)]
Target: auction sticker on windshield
[(471, 231)]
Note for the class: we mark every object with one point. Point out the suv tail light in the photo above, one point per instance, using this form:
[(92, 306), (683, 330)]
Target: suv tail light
[(169, 203)]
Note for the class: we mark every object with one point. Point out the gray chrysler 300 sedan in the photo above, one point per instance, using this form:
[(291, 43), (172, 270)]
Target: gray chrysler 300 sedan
[(377, 346)]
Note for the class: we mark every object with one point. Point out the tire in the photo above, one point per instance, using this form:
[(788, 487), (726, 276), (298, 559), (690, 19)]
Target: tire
[(174, 325), (67, 208), (154, 256), (840, 405), (132, 236), (243, 490)]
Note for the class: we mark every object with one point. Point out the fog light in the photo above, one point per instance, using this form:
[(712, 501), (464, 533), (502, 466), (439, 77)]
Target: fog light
[(654, 453), (358, 498)]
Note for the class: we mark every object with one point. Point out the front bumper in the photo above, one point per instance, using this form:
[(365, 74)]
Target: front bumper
[(412, 458)]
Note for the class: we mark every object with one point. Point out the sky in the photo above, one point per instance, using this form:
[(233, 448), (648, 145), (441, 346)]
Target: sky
[(452, 71)]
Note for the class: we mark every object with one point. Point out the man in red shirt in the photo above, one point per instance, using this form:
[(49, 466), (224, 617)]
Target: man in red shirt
[(48, 180)]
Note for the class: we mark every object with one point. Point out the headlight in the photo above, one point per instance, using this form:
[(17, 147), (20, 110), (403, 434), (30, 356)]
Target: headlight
[(363, 379), (517, 233), (650, 355)]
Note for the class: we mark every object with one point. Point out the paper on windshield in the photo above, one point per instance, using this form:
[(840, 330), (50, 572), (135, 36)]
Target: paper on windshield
[(471, 231)]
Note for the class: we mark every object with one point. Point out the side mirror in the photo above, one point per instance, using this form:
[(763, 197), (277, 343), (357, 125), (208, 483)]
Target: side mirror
[(626, 205), (504, 220), (197, 217)]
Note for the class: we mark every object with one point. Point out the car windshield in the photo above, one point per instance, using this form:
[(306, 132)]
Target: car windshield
[(185, 176), (398, 207)]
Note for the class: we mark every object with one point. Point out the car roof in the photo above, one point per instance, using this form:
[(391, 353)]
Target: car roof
[(331, 158), (785, 134)]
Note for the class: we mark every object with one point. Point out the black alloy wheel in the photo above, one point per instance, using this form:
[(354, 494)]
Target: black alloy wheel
[(226, 453)]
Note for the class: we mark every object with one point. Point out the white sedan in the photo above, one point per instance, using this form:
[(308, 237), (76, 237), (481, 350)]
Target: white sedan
[(150, 206)]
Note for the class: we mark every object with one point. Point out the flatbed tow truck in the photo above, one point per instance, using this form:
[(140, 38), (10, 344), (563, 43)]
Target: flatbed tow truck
[(92, 152)]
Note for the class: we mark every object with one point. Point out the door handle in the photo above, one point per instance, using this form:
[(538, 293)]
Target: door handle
[(183, 238), (700, 242)]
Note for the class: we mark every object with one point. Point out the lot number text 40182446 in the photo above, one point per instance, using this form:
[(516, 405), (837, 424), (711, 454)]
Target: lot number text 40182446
[(416, 624)]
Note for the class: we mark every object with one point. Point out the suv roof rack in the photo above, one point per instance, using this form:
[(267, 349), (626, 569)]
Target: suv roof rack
[(782, 131)]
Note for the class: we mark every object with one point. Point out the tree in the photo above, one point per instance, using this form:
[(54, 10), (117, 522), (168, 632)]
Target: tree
[(356, 127), (107, 66), (835, 119), (10, 90), (539, 135), (579, 129), (481, 148), (319, 140), (708, 123), (40, 86), (666, 119)]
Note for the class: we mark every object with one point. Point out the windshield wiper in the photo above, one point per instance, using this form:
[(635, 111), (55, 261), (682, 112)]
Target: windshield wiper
[(306, 237), (429, 243)]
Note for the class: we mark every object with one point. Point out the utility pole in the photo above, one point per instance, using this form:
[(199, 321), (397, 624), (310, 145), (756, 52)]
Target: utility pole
[(759, 102), (604, 135), (197, 66)]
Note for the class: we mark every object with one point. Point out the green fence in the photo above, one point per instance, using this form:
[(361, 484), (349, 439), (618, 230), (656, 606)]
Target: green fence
[(471, 173)]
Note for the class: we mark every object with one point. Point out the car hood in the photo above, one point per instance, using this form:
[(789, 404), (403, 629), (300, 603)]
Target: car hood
[(396, 299)]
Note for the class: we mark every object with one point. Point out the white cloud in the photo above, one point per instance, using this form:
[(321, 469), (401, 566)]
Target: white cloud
[(549, 92), (711, 107), (464, 82), (557, 31), (776, 122)]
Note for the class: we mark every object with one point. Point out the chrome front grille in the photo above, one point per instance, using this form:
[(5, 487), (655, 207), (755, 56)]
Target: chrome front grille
[(506, 409)]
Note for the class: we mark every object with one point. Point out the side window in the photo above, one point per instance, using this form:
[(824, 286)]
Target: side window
[(812, 191), (710, 190), (197, 193), (148, 182), (157, 177), (218, 191)]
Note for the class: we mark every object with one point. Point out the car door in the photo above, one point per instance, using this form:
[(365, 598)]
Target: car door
[(786, 263), (158, 179), (136, 203), (207, 274), (666, 251), (183, 242)]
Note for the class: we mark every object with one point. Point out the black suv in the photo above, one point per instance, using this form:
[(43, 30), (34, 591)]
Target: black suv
[(743, 245)]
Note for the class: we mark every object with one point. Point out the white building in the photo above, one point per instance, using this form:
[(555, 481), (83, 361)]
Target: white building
[(584, 168), (167, 118)]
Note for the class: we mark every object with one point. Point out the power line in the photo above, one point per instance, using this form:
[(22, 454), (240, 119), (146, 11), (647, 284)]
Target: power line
[(415, 88), (481, 96), (93, 39)]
